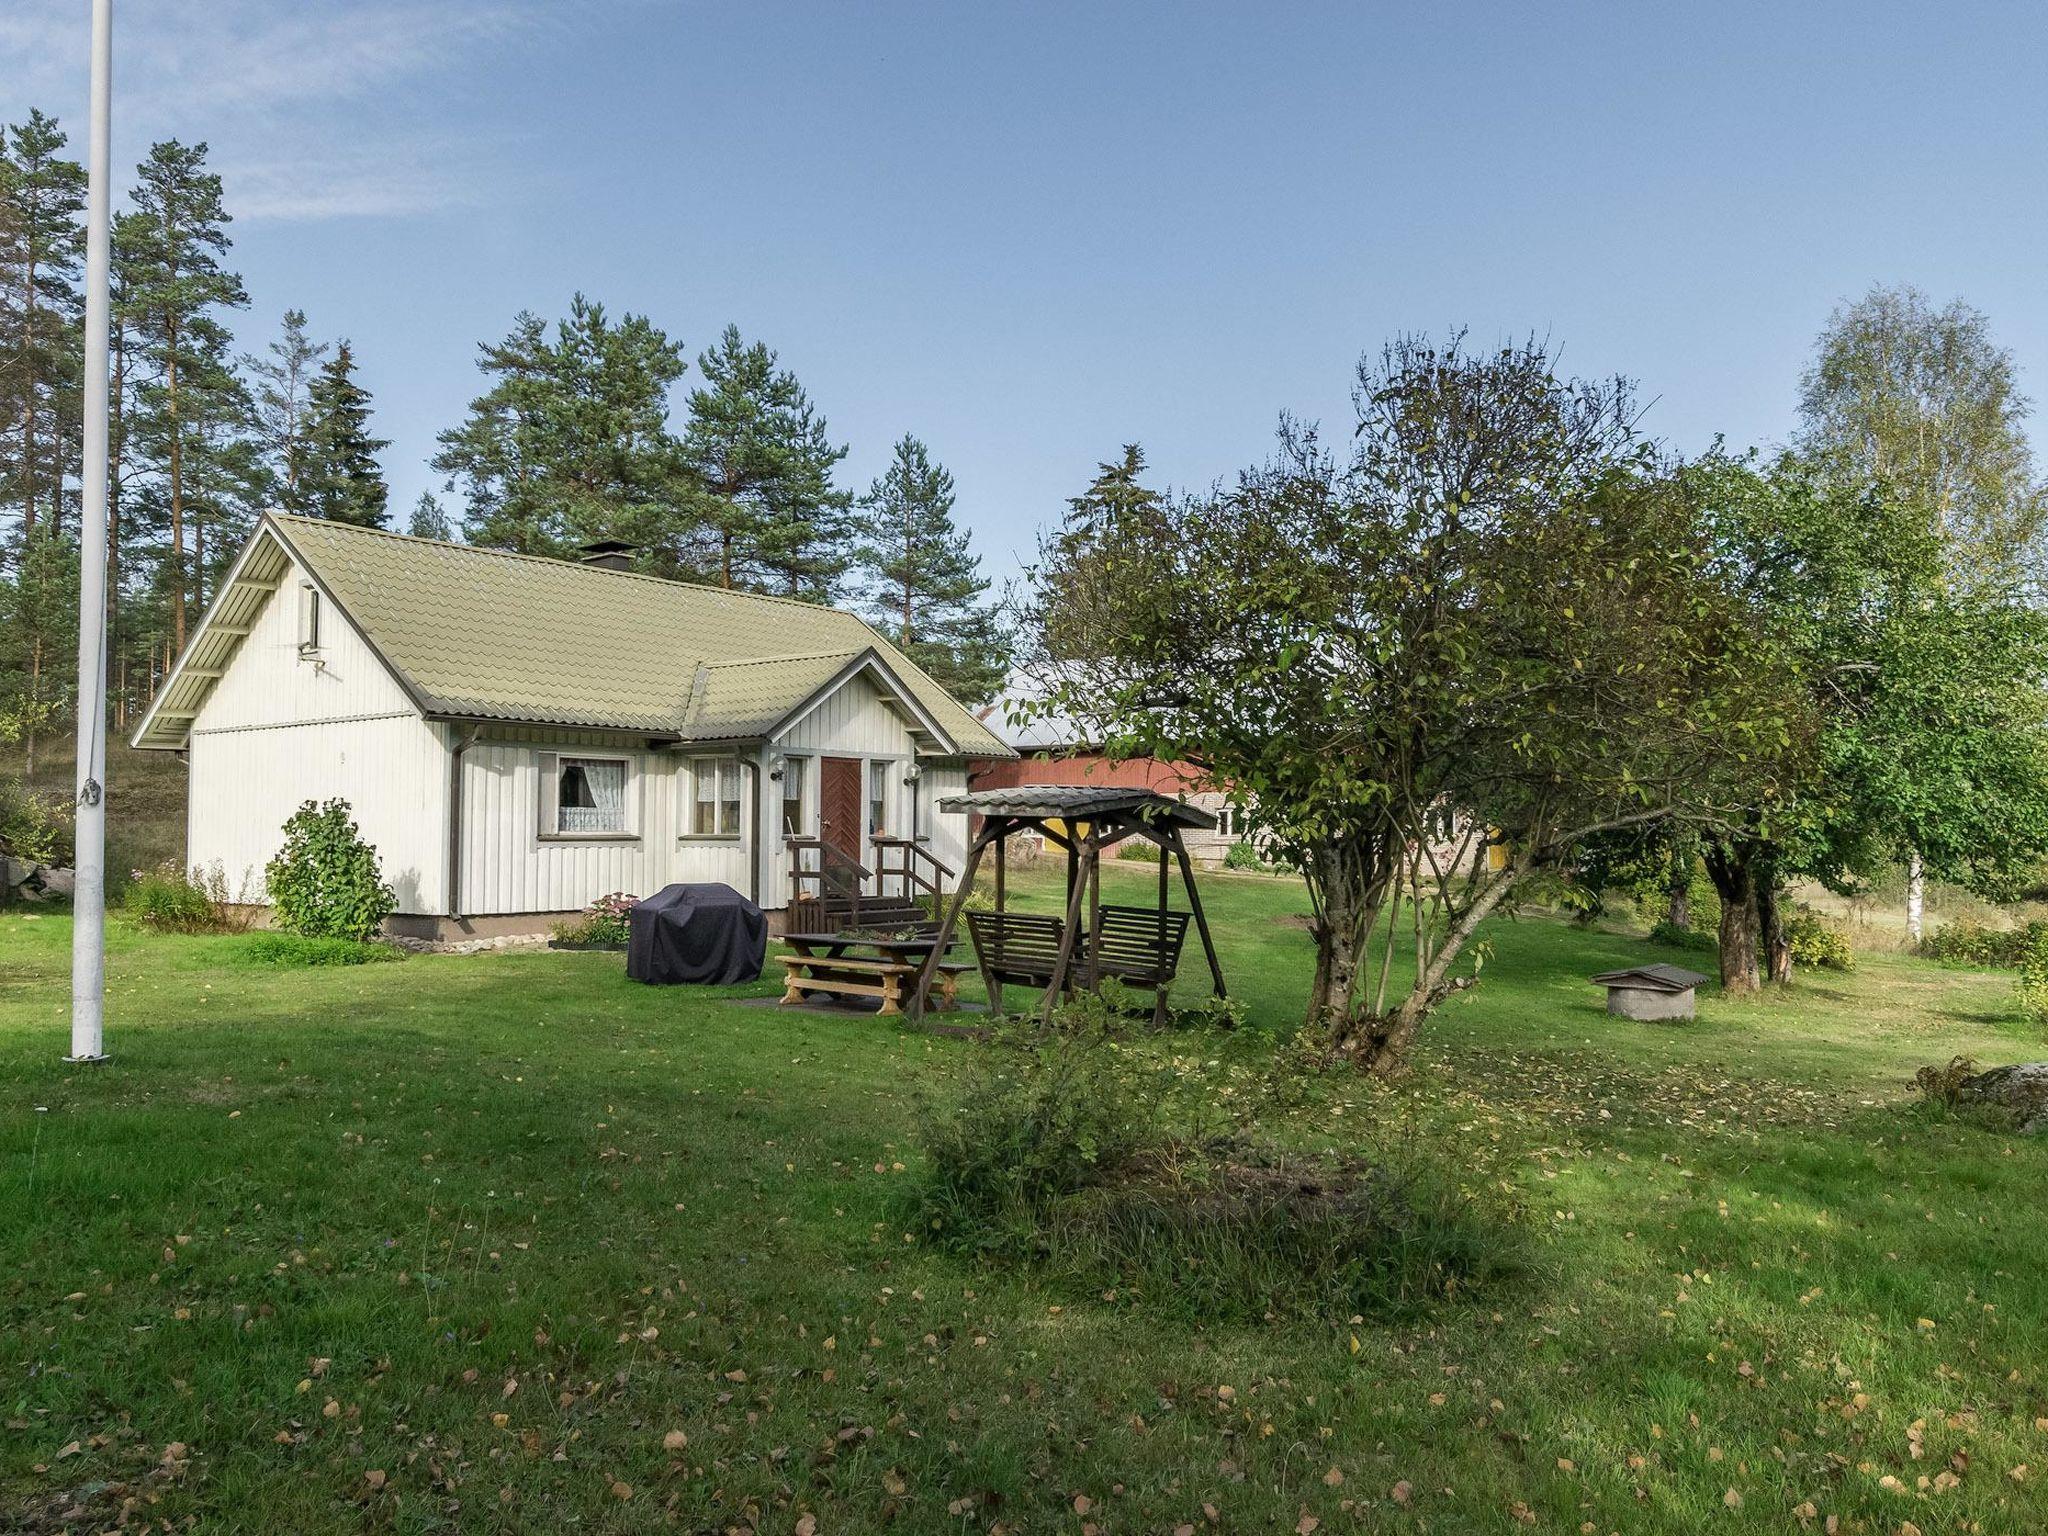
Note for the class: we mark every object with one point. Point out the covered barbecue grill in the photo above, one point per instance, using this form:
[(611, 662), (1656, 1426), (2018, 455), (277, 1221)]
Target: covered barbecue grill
[(707, 934)]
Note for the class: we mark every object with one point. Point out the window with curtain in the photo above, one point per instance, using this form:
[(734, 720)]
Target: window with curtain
[(715, 797), (591, 795), (793, 796)]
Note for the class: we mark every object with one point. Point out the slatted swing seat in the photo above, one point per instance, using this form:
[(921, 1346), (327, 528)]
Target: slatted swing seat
[(1017, 948), (1137, 946)]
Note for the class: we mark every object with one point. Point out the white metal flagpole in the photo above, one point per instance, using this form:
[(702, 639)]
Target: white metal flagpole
[(89, 900)]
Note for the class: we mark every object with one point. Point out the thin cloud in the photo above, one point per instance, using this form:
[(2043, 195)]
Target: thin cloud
[(275, 88)]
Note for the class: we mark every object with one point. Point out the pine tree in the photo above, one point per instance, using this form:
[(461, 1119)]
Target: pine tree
[(928, 589), (769, 516), (343, 480), (429, 521), (177, 287), (571, 442), (284, 378), (42, 241)]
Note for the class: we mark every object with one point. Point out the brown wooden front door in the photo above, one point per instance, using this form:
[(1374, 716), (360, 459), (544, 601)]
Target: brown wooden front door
[(839, 804)]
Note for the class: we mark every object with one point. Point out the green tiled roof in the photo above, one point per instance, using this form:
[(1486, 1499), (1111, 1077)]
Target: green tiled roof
[(481, 634)]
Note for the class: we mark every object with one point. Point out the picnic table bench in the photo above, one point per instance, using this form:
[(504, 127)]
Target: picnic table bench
[(832, 965)]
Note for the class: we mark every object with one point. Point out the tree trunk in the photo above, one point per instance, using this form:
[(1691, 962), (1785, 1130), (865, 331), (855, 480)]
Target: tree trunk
[(1678, 906), (1382, 1047), (1733, 871), (1339, 957), (1916, 895), (177, 499), (28, 394), (1777, 945)]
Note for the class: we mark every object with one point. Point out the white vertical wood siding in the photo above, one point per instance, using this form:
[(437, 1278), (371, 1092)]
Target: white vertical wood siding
[(508, 867), (278, 730), (948, 829)]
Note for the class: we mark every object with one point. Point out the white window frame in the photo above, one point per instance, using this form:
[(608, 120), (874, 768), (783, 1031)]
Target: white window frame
[(309, 619), (807, 815), (693, 768), (891, 770), (551, 761)]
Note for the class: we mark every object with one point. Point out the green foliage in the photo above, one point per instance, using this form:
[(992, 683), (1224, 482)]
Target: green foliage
[(1085, 1160), (605, 924), (1969, 942), (1136, 850), (1244, 855), (324, 881), (927, 591), (292, 949), (343, 479), (571, 441), (170, 900), (34, 828), (2033, 988), (1680, 938), (765, 513), (1490, 618), (1817, 943)]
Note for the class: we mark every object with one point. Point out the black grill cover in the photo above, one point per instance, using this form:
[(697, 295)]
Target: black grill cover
[(709, 934)]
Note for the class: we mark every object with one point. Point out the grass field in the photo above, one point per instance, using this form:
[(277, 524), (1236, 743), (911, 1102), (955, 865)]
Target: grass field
[(506, 1242)]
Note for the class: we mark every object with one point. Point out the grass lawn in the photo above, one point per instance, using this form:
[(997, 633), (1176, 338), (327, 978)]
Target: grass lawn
[(506, 1242)]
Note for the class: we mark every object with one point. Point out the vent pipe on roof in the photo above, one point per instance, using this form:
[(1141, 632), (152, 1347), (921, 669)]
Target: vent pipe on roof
[(609, 554)]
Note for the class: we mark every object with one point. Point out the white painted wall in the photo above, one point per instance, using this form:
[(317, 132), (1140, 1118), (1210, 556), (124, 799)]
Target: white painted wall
[(280, 729), (509, 866)]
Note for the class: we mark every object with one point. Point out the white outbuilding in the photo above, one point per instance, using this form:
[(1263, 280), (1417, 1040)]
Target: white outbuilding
[(520, 736)]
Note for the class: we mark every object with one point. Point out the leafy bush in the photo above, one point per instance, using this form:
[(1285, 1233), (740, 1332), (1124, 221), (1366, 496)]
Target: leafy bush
[(324, 882), (296, 949), (2034, 983), (168, 900), (34, 828), (1138, 850), (1091, 1162), (1681, 938), (1244, 855), (1968, 942), (1815, 943), (606, 923)]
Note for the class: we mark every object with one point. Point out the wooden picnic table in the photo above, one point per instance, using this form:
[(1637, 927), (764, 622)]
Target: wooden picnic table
[(865, 965)]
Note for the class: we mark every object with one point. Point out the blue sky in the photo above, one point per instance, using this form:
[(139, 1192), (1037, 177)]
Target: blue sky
[(1030, 233)]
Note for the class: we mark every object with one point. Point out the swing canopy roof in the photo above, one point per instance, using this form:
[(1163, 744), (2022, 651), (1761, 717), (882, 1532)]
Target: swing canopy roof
[(1078, 802)]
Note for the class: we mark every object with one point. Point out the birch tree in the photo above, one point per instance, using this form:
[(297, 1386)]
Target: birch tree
[(1923, 400)]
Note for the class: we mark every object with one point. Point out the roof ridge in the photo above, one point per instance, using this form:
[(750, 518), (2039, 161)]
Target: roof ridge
[(560, 564), (762, 661)]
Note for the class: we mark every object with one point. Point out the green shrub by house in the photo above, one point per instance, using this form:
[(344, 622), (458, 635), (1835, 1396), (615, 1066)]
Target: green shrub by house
[(324, 882)]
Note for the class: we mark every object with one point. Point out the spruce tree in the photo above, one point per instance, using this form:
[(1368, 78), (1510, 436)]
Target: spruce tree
[(769, 517), (285, 376), (429, 521), (178, 285), (343, 480), (927, 589), (42, 242)]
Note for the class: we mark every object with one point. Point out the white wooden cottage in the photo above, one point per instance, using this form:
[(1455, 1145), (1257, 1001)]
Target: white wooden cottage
[(519, 736)]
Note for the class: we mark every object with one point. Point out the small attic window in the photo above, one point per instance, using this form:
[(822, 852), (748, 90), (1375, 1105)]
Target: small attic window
[(309, 618)]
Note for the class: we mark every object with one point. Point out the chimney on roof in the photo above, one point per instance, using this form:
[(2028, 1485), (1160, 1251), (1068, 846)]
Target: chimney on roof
[(610, 554)]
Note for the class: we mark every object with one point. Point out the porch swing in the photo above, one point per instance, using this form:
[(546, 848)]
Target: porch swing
[(1137, 946)]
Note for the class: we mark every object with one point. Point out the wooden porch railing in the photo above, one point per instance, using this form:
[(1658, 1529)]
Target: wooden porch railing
[(829, 884), (909, 870)]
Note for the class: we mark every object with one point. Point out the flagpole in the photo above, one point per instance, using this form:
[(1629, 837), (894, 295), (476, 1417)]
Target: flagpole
[(89, 901)]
